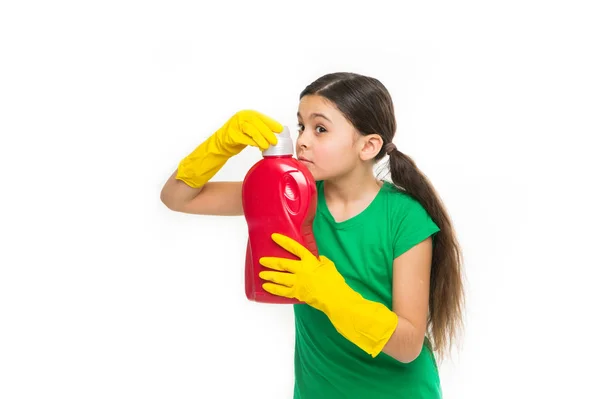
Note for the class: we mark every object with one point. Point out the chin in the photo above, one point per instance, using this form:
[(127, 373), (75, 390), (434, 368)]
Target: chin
[(314, 175)]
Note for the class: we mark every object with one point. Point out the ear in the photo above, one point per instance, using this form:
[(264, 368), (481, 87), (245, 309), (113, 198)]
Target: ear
[(370, 146)]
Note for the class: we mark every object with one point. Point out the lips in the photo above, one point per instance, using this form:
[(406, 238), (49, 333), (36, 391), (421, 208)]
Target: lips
[(303, 159)]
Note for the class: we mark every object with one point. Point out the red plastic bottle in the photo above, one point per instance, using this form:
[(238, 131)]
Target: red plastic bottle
[(278, 196)]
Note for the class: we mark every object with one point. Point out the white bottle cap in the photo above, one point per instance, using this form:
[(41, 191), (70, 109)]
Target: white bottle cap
[(284, 146)]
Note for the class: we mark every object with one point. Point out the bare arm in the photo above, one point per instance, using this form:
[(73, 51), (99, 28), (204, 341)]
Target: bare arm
[(214, 198), (410, 301)]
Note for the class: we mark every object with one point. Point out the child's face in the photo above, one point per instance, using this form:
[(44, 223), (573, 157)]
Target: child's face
[(327, 143)]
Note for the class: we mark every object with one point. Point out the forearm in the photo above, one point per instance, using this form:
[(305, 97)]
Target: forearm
[(368, 324), (175, 192), (375, 328), (406, 342)]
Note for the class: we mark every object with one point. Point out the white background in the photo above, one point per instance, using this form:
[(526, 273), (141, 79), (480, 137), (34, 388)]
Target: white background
[(105, 293)]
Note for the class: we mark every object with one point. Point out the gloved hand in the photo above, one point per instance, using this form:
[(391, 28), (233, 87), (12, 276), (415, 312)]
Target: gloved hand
[(244, 128), (316, 281)]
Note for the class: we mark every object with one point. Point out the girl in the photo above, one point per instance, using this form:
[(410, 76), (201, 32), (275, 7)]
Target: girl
[(387, 291)]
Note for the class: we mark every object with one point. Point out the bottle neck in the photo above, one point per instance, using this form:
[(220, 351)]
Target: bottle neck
[(278, 156)]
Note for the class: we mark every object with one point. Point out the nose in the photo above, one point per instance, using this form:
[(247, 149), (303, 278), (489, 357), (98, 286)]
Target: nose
[(302, 141)]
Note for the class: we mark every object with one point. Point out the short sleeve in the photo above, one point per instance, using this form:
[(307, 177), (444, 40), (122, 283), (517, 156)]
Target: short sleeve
[(413, 225)]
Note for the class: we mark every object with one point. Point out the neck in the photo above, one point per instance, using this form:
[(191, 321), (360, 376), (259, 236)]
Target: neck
[(356, 186)]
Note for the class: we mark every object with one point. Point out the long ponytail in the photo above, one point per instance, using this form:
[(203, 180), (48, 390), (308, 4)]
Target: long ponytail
[(446, 292)]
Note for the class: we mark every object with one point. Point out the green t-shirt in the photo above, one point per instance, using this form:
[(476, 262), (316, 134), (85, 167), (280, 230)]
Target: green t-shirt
[(363, 248)]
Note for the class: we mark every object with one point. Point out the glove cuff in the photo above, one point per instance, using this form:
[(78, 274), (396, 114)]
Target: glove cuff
[(367, 324), (203, 163)]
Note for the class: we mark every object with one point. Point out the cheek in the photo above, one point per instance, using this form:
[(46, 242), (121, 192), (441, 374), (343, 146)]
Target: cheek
[(332, 159), (335, 152)]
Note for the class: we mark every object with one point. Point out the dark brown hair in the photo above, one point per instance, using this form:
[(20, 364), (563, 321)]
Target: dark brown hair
[(368, 106)]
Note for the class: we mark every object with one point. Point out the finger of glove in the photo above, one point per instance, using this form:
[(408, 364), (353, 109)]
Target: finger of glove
[(252, 131), (286, 279), (270, 123), (280, 264), (265, 130), (246, 140), (278, 290), (292, 246)]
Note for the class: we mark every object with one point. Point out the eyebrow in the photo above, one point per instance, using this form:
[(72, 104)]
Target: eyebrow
[(314, 115)]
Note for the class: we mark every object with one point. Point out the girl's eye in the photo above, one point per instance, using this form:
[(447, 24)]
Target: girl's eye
[(301, 128)]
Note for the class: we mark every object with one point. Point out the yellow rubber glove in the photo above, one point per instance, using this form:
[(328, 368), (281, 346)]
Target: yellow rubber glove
[(316, 281), (244, 128)]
